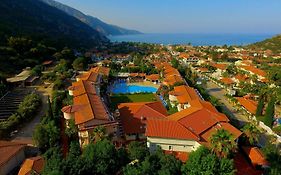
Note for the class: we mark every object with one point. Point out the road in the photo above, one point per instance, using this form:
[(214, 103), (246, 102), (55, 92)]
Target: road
[(25, 133), (219, 93)]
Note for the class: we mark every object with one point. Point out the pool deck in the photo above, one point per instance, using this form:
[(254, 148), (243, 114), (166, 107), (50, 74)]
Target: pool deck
[(145, 83)]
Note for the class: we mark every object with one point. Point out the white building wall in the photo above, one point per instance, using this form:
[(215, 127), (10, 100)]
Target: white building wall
[(172, 144)]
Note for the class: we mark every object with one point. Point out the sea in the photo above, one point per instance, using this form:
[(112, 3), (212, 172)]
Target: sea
[(193, 39)]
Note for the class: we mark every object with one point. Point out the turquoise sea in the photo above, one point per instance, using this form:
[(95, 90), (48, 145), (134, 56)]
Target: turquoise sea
[(194, 39)]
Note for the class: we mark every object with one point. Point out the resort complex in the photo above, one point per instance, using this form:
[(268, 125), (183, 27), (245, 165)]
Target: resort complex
[(179, 133), (79, 96)]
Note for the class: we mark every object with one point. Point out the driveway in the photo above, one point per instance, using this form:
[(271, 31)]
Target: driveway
[(25, 133), (219, 93)]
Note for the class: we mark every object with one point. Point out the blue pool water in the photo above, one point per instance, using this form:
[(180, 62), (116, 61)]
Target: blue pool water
[(124, 88)]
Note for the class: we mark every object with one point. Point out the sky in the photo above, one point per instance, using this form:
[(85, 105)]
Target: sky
[(186, 16)]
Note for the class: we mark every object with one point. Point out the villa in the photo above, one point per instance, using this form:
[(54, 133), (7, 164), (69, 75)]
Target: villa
[(186, 130), (182, 97), (88, 109), (248, 104), (154, 78), (133, 117)]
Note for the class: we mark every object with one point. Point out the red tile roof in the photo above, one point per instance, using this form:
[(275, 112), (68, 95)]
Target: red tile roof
[(200, 119), (90, 107), (169, 129), (134, 115), (256, 156), (241, 77), (153, 77), (219, 65), (248, 104), (227, 81), (101, 70), (33, 165), (207, 134), (254, 70), (83, 87), (243, 167), (184, 94), (183, 156)]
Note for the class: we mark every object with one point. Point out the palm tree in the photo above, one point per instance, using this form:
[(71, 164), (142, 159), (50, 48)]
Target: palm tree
[(252, 132), (223, 143), (99, 133)]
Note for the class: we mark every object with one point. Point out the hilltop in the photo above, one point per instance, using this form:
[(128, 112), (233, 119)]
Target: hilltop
[(273, 44), (95, 23), (39, 21)]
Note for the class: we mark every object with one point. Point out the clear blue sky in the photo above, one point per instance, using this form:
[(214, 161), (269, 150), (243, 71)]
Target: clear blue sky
[(187, 16)]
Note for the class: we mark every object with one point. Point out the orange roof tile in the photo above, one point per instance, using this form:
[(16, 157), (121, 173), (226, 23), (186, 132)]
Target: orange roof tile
[(184, 94), (248, 104), (153, 77), (183, 156), (91, 76), (171, 80), (227, 81), (183, 55), (222, 125), (134, 115), (82, 87), (254, 70), (32, 165), (203, 69), (255, 155), (101, 70), (90, 107), (219, 66), (240, 77), (168, 129)]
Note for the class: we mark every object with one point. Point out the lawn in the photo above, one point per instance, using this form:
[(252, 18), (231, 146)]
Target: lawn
[(128, 98)]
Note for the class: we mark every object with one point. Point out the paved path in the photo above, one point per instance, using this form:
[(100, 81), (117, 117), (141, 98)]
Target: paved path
[(219, 93), (25, 133)]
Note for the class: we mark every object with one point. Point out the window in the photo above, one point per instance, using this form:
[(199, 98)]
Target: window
[(170, 147)]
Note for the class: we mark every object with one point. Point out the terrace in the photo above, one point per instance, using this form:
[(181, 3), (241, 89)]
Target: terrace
[(10, 101)]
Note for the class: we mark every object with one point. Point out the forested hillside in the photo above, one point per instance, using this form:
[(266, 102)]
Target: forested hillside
[(39, 21)]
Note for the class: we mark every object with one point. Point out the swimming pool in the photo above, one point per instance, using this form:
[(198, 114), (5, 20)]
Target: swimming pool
[(124, 88)]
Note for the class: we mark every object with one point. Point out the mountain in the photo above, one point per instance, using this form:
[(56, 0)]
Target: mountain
[(39, 21), (95, 23), (273, 44)]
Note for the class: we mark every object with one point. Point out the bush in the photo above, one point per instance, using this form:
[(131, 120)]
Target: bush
[(27, 109)]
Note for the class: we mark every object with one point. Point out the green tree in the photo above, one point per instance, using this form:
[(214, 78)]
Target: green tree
[(137, 150), (80, 63), (46, 135), (223, 143), (175, 63), (156, 163), (71, 131), (54, 162), (269, 112), (202, 161), (272, 152), (37, 70), (252, 132), (260, 106), (99, 133), (101, 158)]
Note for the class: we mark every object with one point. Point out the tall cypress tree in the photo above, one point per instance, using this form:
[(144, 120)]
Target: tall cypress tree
[(260, 106), (269, 112)]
